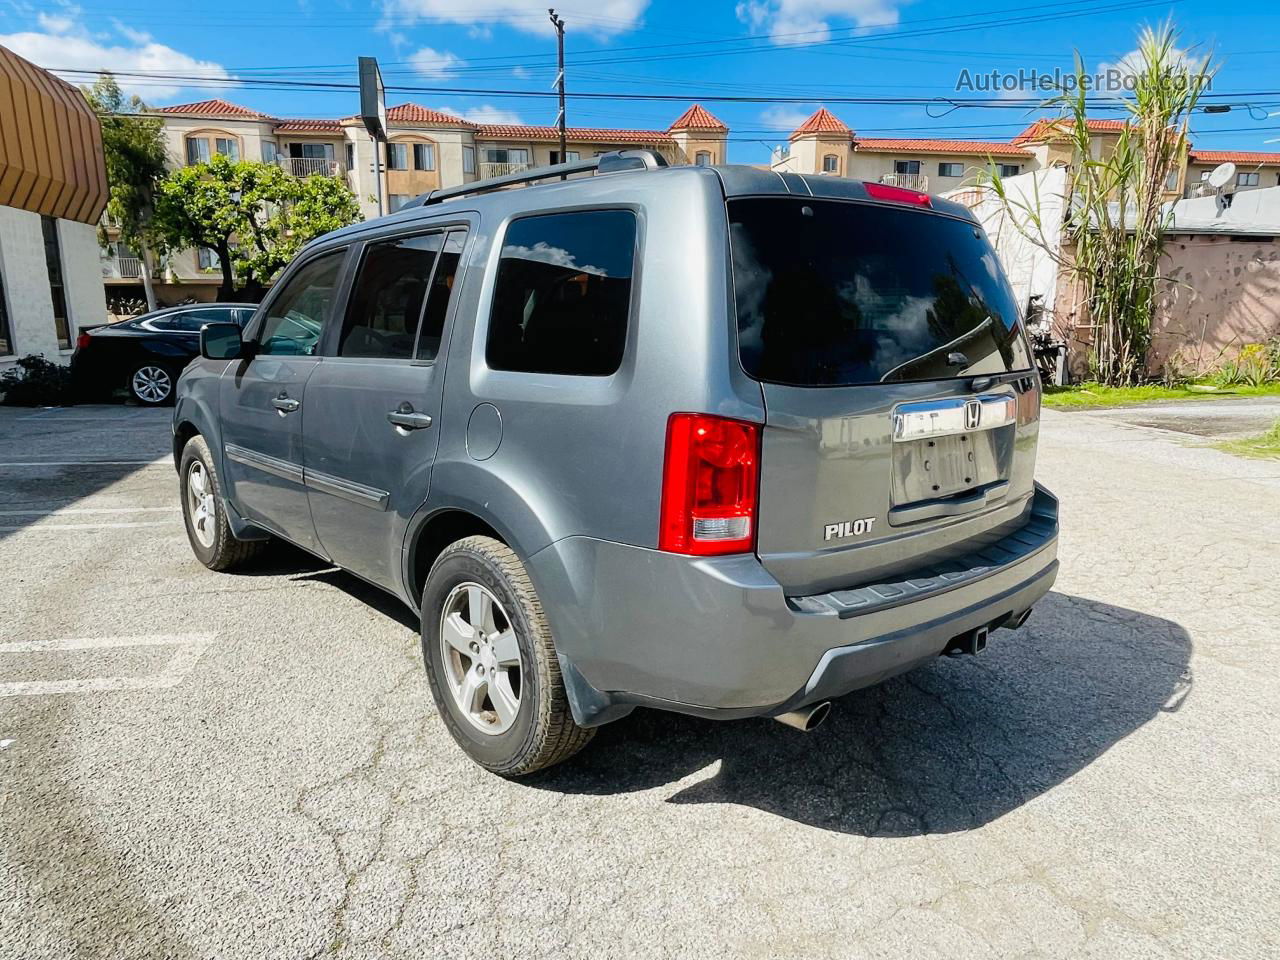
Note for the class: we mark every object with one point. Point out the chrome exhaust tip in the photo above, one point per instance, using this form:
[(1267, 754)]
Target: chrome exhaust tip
[(806, 718)]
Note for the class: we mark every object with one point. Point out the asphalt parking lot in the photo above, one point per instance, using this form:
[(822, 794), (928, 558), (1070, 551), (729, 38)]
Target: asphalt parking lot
[(195, 765)]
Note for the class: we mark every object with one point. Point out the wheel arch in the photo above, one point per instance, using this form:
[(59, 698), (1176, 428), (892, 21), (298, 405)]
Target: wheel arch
[(432, 534)]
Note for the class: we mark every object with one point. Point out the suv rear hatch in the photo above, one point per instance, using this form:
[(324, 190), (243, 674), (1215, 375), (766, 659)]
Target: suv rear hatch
[(901, 406)]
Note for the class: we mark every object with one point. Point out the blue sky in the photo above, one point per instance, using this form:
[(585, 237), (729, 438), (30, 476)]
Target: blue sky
[(816, 50)]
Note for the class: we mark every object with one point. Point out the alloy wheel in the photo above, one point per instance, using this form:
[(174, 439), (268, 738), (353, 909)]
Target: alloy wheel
[(151, 384), (200, 505), (481, 658)]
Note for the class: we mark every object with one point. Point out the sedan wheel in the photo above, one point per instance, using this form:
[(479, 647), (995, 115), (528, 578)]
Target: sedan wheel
[(151, 384), (481, 658)]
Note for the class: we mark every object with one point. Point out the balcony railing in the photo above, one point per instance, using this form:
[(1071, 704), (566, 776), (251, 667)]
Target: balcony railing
[(912, 181), (122, 268), (310, 166), (488, 170)]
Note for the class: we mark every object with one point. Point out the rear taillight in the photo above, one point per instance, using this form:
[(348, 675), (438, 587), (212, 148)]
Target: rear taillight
[(82, 341), (883, 191), (709, 485)]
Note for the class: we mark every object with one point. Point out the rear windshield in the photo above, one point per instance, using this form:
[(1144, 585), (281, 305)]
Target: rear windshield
[(833, 293)]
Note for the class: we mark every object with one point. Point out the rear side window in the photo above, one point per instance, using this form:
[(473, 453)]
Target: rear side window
[(831, 293), (563, 294)]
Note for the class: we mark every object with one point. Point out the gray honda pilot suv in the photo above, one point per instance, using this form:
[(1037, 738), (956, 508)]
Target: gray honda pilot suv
[(708, 439)]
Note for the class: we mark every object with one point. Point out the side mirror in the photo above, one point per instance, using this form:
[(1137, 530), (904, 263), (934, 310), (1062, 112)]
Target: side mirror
[(221, 341)]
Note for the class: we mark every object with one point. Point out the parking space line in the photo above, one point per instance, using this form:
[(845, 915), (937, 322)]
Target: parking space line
[(83, 511), (190, 646), (44, 527), (159, 461)]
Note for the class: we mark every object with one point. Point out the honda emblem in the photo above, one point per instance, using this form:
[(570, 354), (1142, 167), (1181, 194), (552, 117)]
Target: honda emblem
[(972, 414)]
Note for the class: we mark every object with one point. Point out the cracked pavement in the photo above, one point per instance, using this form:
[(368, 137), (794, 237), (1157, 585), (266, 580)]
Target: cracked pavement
[(1102, 783)]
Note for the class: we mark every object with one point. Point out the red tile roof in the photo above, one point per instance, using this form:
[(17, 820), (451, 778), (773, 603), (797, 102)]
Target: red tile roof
[(214, 108), (977, 148), (1046, 127), (822, 121), (698, 117), (519, 131), (1246, 157), (303, 125), (415, 113)]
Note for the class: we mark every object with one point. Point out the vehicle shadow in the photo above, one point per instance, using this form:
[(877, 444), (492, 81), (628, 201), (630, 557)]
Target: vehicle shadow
[(949, 747)]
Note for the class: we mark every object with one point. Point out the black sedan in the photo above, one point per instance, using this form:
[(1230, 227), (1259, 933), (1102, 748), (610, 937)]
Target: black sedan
[(146, 354)]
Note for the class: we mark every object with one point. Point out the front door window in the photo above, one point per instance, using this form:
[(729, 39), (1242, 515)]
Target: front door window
[(296, 316)]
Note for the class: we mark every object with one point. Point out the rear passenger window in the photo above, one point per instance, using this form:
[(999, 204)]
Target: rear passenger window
[(438, 303), (387, 300), (563, 293)]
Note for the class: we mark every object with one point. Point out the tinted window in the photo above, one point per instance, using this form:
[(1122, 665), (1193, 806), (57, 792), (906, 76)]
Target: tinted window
[(563, 293), (295, 318), (844, 293), (386, 303), (191, 320), (441, 289)]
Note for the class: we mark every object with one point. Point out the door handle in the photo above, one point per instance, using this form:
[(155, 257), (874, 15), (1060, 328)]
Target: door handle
[(285, 404), (405, 418)]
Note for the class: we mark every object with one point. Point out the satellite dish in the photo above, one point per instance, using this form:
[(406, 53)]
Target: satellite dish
[(1221, 175)]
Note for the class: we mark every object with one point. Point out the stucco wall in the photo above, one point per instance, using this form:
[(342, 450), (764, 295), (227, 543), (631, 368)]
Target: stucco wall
[(1223, 292), (26, 282)]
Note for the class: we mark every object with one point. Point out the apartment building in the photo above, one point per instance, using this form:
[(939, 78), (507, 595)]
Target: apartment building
[(824, 144), (425, 149)]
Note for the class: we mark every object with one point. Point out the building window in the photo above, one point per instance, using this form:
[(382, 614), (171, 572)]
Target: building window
[(503, 155), (197, 150), (570, 156), (57, 289), (1171, 181), (1010, 169), (207, 259), (311, 151), (1204, 175), (951, 170), (468, 159), (1246, 179), (6, 334), (563, 294), (907, 166), (397, 200), (351, 156), (228, 147), (702, 158), (830, 163), (270, 152), (397, 156), (424, 156)]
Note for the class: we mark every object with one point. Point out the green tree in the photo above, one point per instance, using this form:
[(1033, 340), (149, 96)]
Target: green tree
[(133, 146), (254, 216)]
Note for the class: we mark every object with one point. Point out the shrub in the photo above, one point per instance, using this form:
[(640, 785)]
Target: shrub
[(36, 382), (1256, 364)]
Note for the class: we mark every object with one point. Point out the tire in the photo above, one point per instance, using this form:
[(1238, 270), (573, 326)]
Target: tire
[(540, 731), (208, 532), (152, 384)]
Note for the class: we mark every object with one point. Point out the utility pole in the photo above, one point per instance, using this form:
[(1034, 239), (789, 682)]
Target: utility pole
[(558, 23)]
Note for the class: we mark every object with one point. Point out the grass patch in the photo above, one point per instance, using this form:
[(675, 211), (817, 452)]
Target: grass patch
[(1079, 395), (1266, 446)]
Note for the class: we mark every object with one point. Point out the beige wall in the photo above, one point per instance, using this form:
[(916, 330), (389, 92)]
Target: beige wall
[(1223, 292)]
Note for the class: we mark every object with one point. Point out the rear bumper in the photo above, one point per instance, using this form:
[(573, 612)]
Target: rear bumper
[(717, 637)]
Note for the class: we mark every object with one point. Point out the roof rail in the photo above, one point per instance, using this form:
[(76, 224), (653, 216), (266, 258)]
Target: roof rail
[(613, 162)]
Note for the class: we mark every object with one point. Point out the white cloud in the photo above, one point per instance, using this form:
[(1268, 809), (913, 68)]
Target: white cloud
[(434, 64), (809, 21), (543, 252), (64, 43), (1132, 63), (520, 73), (784, 118), (607, 17), (483, 113)]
